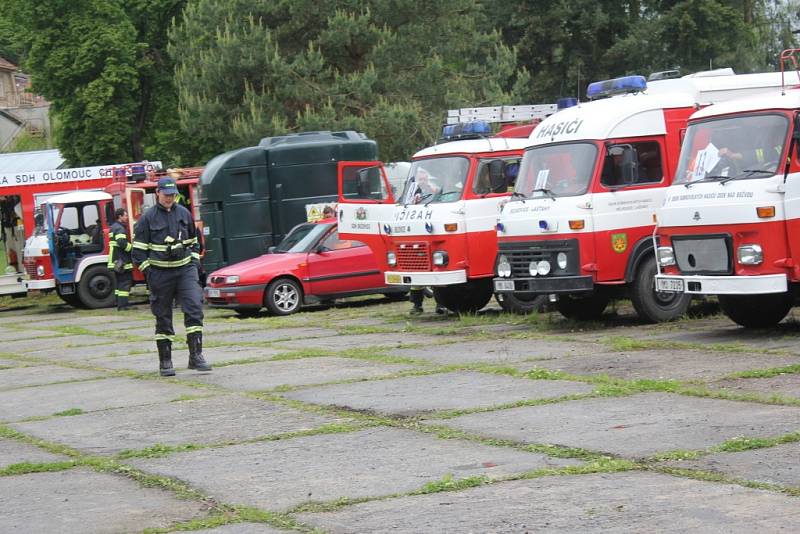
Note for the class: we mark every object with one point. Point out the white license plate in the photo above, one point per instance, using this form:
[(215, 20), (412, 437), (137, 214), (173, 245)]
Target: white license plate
[(504, 285), (674, 285), (213, 293)]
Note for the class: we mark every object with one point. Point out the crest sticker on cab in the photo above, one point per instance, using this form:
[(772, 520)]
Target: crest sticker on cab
[(619, 242), (361, 214)]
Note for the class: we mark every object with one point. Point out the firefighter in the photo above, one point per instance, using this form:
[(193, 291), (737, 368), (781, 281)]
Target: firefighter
[(167, 251), (119, 258)]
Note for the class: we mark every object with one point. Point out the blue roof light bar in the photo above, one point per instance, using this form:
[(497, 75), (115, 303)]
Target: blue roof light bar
[(616, 86)]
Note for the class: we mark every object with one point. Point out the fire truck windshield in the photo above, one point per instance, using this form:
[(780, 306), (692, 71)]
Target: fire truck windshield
[(435, 180), (556, 170), (733, 148)]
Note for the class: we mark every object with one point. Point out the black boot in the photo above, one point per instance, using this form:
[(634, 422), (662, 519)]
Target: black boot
[(122, 304), (416, 297), (196, 360), (165, 357)]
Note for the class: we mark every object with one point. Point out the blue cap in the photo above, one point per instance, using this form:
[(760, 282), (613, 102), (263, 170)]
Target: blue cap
[(167, 186)]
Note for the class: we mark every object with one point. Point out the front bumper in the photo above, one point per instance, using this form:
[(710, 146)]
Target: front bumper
[(544, 285), (723, 285), (425, 278), (235, 296), (48, 283)]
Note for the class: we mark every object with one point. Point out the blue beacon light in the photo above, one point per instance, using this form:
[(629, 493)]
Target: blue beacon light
[(543, 224), (616, 86)]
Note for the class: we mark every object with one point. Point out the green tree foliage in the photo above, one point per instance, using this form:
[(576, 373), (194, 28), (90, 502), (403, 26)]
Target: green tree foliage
[(102, 65), (249, 69), (565, 44)]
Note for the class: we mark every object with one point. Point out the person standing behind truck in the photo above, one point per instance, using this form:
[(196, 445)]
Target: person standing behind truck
[(119, 258), (167, 251)]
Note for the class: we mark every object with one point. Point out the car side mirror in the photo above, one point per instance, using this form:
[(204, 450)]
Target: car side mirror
[(272, 249), (321, 248), (497, 175)]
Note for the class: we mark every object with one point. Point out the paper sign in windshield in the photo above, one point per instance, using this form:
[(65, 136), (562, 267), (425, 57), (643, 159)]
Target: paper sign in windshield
[(705, 160), (541, 178)]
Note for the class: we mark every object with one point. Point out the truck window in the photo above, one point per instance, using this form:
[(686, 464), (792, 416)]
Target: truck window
[(647, 157), (364, 183), (482, 186)]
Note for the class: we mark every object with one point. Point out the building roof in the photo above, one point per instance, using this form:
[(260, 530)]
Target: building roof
[(37, 160), (5, 64)]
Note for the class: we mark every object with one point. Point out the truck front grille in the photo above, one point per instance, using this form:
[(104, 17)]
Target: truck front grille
[(521, 253), (708, 254), (30, 267), (413, 257)]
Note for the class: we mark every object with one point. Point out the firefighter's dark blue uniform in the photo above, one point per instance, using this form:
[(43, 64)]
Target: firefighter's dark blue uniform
[(167, 251), (119, 261)]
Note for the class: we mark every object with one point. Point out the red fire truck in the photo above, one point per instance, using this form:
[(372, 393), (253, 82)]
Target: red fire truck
[(579, 225), (21, 194), (78, 226), (730, 223), (440, 231)]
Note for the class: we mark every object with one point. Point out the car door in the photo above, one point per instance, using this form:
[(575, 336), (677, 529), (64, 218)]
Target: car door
[(342, 266)]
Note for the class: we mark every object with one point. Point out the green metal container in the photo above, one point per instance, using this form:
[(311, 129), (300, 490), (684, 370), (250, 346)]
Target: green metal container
[(251, 197)]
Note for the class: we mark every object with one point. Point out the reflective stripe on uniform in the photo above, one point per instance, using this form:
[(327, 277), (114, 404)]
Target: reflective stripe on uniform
[(120, 293), (168, 337), (170, 264), (140, 245), (193, 329), (144, 265)]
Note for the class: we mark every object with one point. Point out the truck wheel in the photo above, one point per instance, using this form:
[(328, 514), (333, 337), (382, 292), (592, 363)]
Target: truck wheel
[(96, 288), (468, 297), (757, 311), (283, 296), (655, 306), (521, 304), (583, 308), (71, 299)]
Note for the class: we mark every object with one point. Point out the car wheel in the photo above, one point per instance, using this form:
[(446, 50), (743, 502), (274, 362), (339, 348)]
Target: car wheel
[(283, 296), (96, 288), (521, 304), (656, 306), (585, 308), (757, 311)]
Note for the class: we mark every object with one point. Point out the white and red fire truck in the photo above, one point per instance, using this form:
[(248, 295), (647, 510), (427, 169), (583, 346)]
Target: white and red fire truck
[(440, 230), (21, 195), (579, 225), (78, 226), (730, 223)]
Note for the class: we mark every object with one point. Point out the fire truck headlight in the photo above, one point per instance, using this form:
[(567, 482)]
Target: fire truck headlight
[(561, 260), (503, 267), (231, 279), (543, 268), (391, 258), (40, 270), (666, 256), (750, 255), (439, 258)]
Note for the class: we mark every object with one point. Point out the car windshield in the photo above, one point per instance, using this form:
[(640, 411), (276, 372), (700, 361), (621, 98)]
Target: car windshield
[(302, 237), (435, 180), (732, 148), (556, 170)]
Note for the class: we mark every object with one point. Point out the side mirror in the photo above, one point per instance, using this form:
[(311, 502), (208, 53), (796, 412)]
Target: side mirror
[(497, 175), (321, 248), (272, 249)]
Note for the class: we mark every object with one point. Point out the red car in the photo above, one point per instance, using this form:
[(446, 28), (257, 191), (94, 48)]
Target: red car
[(311, 265)]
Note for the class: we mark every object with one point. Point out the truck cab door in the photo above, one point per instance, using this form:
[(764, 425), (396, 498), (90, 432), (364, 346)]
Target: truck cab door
[(366, 203)]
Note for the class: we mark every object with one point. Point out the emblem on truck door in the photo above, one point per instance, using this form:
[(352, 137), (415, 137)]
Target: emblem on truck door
[(696, 216), (361, 214), (619, 242)]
